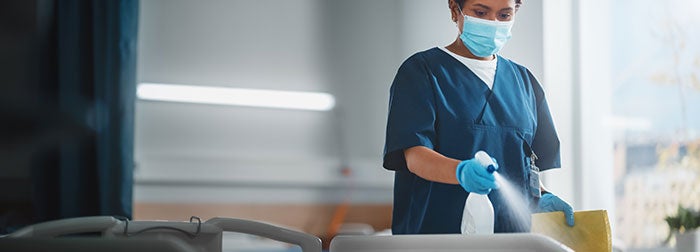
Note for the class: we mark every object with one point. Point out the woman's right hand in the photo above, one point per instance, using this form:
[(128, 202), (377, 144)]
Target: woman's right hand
[(474, 177)]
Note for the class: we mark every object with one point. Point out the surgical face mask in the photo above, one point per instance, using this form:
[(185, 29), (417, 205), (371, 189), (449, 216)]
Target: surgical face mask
[(485, 37)]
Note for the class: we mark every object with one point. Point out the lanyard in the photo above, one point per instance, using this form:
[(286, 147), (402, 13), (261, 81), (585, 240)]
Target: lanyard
[(534, 174)]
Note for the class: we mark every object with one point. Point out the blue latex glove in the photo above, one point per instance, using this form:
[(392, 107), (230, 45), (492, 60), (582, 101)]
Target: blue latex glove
[(474, 177), (551, 203)]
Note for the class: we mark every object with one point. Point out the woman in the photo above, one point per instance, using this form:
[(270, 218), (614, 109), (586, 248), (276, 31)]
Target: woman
[(448, 103)]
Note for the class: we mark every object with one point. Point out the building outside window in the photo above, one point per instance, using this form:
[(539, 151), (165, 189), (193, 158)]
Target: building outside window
[(656, 116)]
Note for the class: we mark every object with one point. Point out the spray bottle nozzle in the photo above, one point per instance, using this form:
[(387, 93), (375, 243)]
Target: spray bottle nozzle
[(490, 169)]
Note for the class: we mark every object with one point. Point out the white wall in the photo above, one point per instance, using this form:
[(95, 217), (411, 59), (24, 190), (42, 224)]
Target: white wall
[(558, 78), (238, 154), (351, 49), (252, 44), (577, 68), (595, 87), (361, 39)]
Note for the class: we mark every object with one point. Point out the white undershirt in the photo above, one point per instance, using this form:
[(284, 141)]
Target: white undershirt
[(484, 69)]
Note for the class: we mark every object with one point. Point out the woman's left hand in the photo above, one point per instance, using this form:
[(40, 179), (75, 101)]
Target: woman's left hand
[(551, 203)]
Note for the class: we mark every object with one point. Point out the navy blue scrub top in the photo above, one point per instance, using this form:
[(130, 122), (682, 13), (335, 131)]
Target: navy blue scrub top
[(437, 102)]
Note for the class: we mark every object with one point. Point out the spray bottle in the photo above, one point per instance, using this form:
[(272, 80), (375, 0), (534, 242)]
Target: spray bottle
[(478, 217)]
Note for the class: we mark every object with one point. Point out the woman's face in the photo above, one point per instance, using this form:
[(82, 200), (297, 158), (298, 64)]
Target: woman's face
[(494, 10)]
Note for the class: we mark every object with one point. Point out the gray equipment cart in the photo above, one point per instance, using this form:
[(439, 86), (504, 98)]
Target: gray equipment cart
[(521, 242)]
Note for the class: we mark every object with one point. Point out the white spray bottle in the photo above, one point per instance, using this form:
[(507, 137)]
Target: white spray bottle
[(478, 217)]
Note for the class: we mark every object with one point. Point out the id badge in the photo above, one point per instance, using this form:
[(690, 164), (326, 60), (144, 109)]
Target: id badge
[(534, 177), (535, 182)]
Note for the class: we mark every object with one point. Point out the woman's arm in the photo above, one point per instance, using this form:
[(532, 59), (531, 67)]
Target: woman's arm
[(430, 165)]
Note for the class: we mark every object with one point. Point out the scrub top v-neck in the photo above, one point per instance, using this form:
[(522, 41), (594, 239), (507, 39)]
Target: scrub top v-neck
[(484, 69), (437, 102)]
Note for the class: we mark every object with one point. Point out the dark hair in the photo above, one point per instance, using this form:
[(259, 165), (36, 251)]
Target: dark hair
[(461, 3)]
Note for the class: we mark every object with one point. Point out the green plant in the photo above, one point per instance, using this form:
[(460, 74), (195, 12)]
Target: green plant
[(685, 220)]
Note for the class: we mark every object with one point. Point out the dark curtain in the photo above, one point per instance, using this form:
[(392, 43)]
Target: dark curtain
[(88, 74)]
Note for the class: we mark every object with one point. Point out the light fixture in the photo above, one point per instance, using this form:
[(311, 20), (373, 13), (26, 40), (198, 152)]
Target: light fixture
[(236, 96)]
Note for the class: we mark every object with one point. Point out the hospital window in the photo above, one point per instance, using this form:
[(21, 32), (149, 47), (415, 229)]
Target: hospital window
[(656, 106)]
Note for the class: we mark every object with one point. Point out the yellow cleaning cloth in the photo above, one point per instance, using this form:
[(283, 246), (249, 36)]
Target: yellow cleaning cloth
[(590, 233)]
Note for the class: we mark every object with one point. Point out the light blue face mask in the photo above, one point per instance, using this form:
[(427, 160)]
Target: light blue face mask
[(484, 37)]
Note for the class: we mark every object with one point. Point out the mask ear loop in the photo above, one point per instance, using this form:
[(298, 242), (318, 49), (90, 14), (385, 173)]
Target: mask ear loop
[(460, 10), (460, 13)]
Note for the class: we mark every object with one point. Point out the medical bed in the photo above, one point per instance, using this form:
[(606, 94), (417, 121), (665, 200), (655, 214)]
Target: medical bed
[(201, 236), (91, 244)]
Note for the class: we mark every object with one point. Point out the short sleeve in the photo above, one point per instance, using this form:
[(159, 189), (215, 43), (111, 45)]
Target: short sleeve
[(546, 142), (411, 119)]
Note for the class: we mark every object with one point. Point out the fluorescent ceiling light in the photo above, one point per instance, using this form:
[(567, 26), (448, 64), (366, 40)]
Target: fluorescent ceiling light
[(236, 96)]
